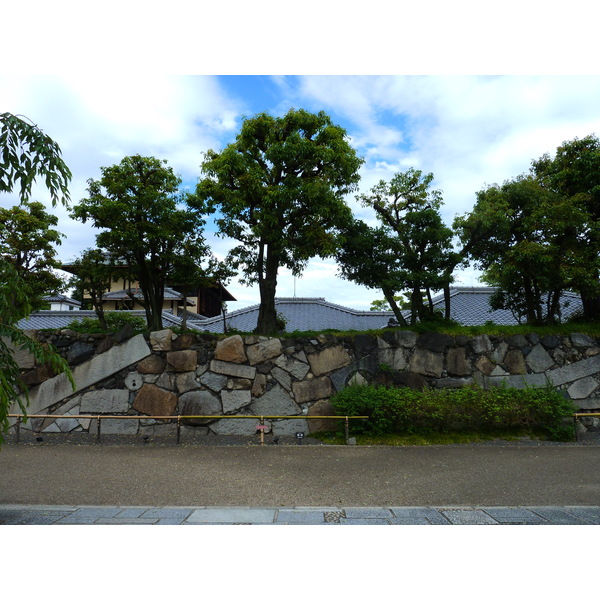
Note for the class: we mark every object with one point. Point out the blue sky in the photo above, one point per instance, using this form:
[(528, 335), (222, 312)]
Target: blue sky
[(469, 131)]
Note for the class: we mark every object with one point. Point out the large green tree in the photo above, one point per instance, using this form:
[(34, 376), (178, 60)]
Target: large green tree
[(279, 191), (28, 241), (137, 204), (517, 234), (410, 211), (574, 175), (372, 257), (26, 153)]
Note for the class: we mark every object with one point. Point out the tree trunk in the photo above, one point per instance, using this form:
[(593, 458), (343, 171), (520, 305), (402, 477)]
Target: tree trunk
[(416, 305), (267, 315), (389, 296), (591, 305)]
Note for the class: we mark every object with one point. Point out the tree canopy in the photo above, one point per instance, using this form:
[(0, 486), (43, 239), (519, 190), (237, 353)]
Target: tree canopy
[(538, 235), (409, 210), (372, 257), (574, 175), (28, 241), (136, 205), (279, 191), (26, 152)]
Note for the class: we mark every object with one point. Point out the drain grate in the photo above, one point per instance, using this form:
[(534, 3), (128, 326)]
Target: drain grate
[(333, 516)]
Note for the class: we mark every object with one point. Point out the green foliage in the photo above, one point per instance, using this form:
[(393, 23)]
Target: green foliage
[(518, 234), (574, 176), (411, 411), (279, 191), (27, 241), (136, 203), (26, 153), (14, 306), (94, 272), (414, 247), (115, 321), (372, 257)]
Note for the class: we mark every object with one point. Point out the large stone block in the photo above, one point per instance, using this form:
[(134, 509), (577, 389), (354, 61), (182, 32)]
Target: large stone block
[(186, 382), (485, 365), (290, 427), (260, 385), (238, 426), (297, 368), (231, 349), (573, 371), (538, 359), (436, 342), (282, 377), (263, 350), (514, 361), (232, 369), (322, 408), (233, 400), (394, 358), (275, 401), (199, 402), (183, 341), (182, 360), (481, 344), (582, 388), (79, 352), (406, 339), (23, 358), (161, 340), (329, 359), (115, 426), (581, 340), (426, 362), (152, 400), (213, 381), (89, 373), (105, 401), (153, 364), (457, 363), (312, 389)]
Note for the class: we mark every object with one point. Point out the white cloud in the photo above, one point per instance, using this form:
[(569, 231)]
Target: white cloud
[(469, 131)]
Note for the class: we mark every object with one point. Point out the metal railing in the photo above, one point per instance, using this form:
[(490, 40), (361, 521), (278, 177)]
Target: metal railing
[(261, 427), (576, 417)]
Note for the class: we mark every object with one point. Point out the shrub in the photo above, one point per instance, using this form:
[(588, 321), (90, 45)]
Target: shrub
[(115, 321), (411, 411)]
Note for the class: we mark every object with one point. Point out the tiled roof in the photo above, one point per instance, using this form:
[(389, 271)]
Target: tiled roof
[(54, 319), (170, 294), (468, 306), (61, 298), (471, 306), (302, 314)]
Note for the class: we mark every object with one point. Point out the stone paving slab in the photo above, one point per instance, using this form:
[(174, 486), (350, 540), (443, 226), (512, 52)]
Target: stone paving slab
[(557, 515), (296, 515), (514, 516), (468, 517)]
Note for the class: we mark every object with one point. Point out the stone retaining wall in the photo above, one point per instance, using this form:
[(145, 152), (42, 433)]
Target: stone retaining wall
[(195, 374)]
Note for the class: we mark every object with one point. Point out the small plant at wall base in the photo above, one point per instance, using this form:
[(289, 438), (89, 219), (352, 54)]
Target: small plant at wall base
[(467, 409)]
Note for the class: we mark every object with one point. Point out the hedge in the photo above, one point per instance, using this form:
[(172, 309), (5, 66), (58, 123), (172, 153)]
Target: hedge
[(411, 411)]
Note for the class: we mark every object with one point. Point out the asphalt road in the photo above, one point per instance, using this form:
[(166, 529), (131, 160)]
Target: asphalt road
[(562, 475)]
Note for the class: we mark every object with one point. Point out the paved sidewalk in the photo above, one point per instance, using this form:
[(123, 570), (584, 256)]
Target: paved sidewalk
[(206, 515)]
